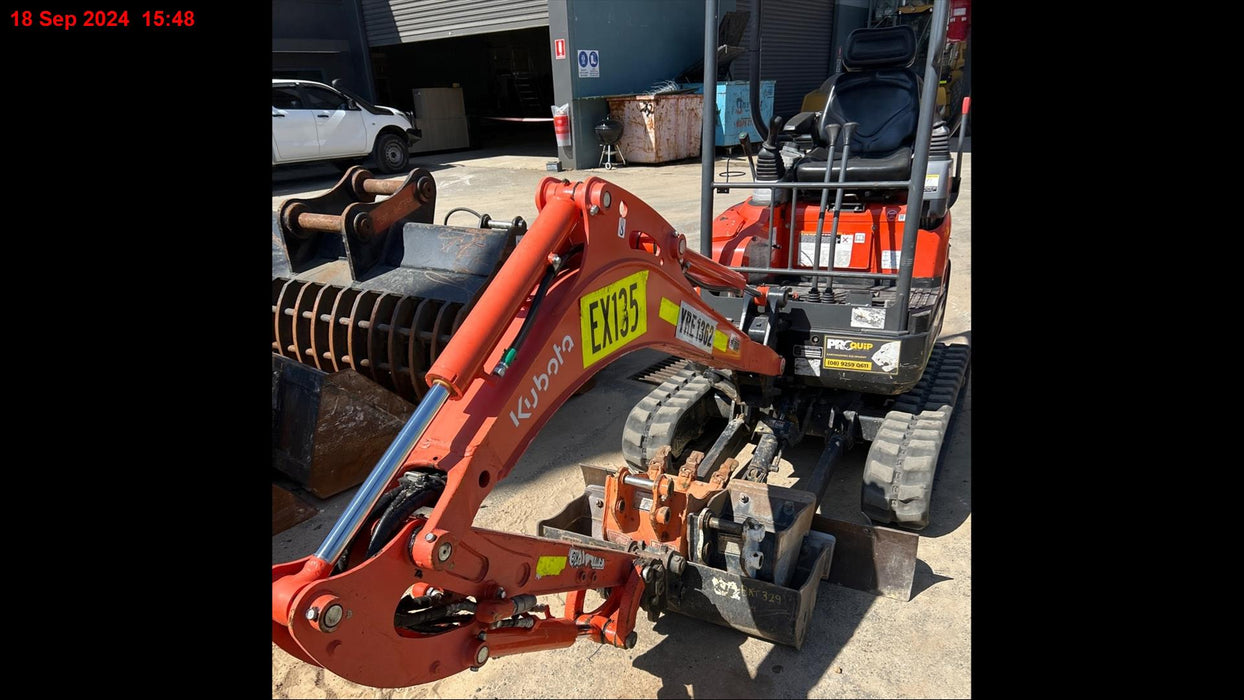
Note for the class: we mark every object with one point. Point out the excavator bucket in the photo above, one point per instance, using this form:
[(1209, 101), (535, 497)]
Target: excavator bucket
[(325, 425), (774, 601), (366, 293)]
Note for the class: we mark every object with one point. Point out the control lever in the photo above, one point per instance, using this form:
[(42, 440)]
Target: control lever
[(745, 140)]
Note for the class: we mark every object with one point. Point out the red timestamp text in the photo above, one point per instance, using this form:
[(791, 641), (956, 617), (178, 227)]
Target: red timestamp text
[(101, 18)]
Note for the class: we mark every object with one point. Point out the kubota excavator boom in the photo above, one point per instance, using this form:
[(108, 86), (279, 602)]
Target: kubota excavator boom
[(396, 598)]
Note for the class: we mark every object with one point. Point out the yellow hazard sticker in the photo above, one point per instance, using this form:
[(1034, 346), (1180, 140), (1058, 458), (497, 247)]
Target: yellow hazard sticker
[(613, 316), (549, 566), (692, 325), (726, 344), (669, 311)]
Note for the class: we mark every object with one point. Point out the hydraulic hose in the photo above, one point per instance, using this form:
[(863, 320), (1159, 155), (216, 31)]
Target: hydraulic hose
[(431, 615), (381, 504), (408, 501), (508, 357)]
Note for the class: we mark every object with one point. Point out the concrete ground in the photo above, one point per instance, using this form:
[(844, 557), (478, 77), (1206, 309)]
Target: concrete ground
[(858, 645)]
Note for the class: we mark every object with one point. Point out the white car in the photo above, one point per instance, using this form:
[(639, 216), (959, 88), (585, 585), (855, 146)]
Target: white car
[(312, 121)]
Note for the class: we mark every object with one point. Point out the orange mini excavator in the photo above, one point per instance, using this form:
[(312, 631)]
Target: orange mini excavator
[(782, 335)]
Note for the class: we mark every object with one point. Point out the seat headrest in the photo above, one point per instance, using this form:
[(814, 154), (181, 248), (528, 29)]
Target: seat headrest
[(884, 47)]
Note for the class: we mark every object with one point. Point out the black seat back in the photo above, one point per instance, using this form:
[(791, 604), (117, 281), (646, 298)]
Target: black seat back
[(878, 90)]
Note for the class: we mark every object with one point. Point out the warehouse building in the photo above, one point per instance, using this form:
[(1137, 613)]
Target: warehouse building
[(478, 69)]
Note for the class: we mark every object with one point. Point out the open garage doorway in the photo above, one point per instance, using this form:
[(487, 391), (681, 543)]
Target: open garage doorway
[(504, 77)]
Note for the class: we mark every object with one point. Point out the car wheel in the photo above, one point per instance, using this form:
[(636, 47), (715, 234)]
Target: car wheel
[(391, 153)]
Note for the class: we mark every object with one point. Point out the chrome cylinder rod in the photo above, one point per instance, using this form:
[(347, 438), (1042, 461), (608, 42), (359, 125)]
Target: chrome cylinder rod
[(348, 525)]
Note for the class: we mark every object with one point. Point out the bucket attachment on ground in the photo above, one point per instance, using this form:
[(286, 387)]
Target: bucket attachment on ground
[(365, 296), (756, 554)]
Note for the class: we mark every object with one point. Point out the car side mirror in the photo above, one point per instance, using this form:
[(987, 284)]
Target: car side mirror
[(351, 104)]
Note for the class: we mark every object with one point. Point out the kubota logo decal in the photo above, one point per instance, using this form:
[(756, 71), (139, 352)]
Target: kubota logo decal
[(524, 406)]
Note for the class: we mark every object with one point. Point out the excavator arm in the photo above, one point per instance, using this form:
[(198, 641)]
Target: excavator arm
[(599, 275)]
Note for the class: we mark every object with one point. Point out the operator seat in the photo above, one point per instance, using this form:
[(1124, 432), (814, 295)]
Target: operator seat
[(877, 89)]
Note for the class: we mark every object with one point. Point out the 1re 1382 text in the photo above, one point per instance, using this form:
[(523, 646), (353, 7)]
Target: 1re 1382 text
[(102, 19)]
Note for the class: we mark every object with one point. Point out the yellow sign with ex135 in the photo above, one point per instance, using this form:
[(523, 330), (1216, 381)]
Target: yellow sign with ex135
[(613, 316)]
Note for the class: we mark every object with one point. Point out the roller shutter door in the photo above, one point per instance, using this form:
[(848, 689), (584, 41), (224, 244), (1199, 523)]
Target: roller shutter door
[(403, 21), (795, 39)]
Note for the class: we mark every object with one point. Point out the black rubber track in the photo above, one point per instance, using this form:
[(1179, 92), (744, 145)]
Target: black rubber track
[(672, 414), (902, 460)]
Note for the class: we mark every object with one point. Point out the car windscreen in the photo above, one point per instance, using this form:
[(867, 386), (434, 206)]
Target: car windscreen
[(365, 104)]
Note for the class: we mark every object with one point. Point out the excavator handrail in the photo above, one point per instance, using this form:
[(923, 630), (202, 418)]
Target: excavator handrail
[(920, 157)]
